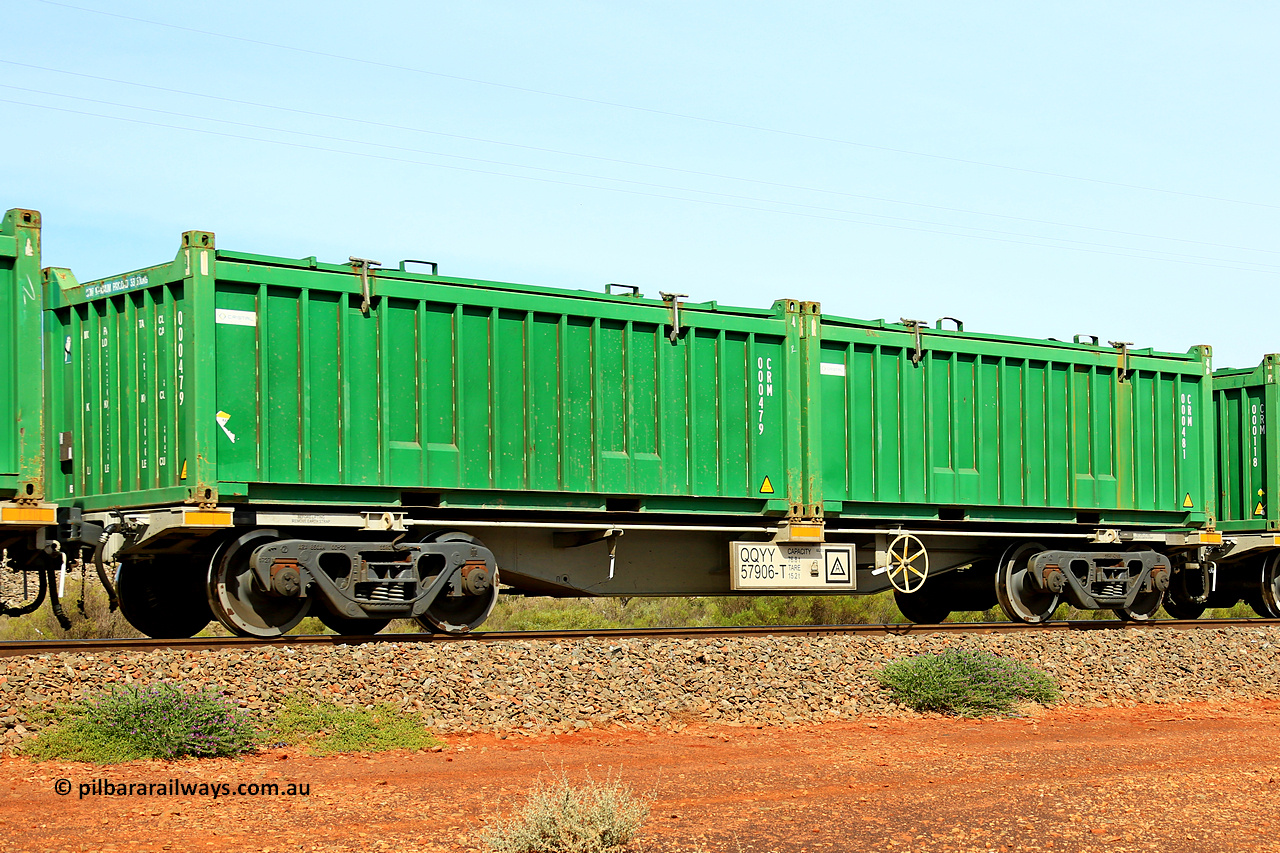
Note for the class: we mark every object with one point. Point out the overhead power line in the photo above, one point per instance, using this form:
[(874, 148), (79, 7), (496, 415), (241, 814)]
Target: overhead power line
[(653, 111), (646, 184), (618, 161), (1045, 242)]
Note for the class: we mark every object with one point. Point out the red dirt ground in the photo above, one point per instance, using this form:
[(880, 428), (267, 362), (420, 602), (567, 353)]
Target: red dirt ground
[(1187, 778)]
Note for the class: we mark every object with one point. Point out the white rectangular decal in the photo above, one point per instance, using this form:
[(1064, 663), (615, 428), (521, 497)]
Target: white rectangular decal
[(832, 369), (235, 317), (768, 565)]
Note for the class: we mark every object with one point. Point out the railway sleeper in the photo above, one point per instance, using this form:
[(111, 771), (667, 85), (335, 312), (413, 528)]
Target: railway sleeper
[(1098, 580)]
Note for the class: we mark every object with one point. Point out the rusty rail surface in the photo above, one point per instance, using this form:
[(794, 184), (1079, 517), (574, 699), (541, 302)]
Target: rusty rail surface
[(13, 648)]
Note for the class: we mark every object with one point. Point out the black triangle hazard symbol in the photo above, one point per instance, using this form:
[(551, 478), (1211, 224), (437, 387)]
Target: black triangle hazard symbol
[(837, 569)]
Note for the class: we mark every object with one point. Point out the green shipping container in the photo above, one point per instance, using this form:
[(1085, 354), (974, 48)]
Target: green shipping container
[(21, 400), (1248, 454), (955, 426), (224, 377)]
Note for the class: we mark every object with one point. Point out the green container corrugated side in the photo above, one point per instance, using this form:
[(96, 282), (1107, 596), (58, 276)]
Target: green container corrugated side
[(994, 428), (1248, 453), (225, 377), (21, 399)]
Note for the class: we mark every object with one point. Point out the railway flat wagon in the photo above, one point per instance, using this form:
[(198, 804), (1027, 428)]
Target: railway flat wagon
[(255, 438), (23, 507), (1248, 476)]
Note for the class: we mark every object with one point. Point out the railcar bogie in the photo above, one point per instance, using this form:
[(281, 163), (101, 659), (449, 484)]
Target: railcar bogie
[(262, 582)]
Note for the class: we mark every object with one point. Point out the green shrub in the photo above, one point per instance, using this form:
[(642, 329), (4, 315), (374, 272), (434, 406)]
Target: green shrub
[(562, 818), (517, 613), (326, 728), (160, 721), (968, 683)]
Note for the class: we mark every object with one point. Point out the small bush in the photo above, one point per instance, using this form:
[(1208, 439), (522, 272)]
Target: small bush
[(160, 721), (966, 682), (561, 818), (327, 728)]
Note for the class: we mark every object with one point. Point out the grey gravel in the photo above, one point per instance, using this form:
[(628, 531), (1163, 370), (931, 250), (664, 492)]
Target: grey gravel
[(546, 686)]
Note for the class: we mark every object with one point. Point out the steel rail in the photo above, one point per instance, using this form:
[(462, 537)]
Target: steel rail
[(13, 648)]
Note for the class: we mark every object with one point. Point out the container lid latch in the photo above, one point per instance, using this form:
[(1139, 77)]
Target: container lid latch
[(362, 266), (917, 330), (1122, 348), (674, 299)]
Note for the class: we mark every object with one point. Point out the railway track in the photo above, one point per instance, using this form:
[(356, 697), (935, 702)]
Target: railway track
[(14, 648)]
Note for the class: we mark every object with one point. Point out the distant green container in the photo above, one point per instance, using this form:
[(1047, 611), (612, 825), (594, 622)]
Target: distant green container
[(954, 426), (224, 377), (21, 396), (1248, 453)]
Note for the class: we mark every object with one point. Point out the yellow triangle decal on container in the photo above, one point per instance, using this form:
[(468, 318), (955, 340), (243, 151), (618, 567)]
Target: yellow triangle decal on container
[(1187, 502), (766, 488), (1258, 509)]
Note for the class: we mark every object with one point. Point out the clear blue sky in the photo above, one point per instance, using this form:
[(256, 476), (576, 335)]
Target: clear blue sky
[(1033, 168)]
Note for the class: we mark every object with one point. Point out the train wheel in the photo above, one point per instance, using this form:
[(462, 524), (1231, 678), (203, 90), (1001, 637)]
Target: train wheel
[(236, 599), (1266, 599), (1180, 609), (1143, 609), (921, 608), (458, 614), (349, 627), (1178, 602), (1019, 597), (163, 598)]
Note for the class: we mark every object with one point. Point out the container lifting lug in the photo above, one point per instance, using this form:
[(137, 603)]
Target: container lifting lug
[(435, 267), (916, 327), (30, 493), (674, 299), (362, 267), (1123, 348)]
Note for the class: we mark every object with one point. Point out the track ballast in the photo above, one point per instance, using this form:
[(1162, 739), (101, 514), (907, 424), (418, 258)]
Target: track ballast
[(13, 648)]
